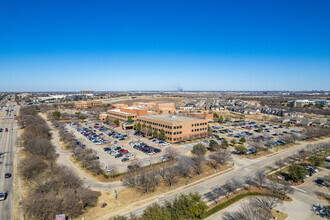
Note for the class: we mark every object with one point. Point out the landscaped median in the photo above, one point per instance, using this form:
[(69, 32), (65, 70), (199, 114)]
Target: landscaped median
[(237, 198)]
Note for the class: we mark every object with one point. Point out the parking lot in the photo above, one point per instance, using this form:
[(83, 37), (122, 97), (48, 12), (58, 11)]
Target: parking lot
[(266, 131), (116, 148), (304, 198)]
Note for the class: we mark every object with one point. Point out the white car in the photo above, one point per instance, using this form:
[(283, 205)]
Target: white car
[(114, 153), (108, 170), (129, 155), (3, 196), (162, 159)]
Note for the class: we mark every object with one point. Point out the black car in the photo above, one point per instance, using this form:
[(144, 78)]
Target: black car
[(124, 159), (321, 182), (118, 155), (7, 175)]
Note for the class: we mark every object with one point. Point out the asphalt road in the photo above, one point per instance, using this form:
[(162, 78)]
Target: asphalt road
[(7, 151), (243, 169)]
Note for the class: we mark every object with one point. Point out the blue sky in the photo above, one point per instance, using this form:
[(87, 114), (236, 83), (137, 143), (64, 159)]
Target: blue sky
[(164, 45)]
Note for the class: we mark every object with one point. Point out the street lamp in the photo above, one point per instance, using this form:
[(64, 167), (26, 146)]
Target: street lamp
[(276, 199)]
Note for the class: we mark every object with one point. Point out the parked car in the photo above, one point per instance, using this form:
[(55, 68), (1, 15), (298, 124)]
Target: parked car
[(108, 169), (118, 155), (7, 175), (321, 182), (124, 159)]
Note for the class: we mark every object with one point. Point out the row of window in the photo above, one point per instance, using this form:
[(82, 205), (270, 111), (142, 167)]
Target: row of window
[(193, 136), (160, 125), (198, 124), (198, 129)]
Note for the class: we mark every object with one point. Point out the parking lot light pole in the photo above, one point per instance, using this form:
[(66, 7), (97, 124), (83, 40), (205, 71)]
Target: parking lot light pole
[(276, 199)]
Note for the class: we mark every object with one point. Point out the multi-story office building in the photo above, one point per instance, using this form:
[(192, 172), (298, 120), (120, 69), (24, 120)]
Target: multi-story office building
[(177, 128)]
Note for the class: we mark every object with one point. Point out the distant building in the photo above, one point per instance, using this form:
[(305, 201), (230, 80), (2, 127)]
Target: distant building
[(87, 104), (87, 91), (189, 106), (302, 103), (202, 115), (124, 113), (161, 108)]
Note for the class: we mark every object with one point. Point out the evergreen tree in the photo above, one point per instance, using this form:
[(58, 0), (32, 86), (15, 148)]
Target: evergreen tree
[(155, 133), (162, 134), (138, 127)]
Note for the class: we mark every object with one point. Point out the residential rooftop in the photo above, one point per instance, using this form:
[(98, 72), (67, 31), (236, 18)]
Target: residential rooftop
[(170, 118)]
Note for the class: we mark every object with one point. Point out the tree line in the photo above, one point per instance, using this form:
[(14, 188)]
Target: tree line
[(53, 189), (176, 166)]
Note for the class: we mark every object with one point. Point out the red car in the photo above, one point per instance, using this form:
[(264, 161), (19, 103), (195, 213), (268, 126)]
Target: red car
[(6, 129)]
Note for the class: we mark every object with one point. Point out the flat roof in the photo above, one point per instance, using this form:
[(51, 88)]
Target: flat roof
[(134, 107), (118, 111), (170, 118)]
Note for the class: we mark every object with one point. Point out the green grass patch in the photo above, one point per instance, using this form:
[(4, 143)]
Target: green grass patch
[(104, 174)]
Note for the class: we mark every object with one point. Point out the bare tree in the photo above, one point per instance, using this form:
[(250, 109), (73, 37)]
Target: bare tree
[(32, 165), (236, 184), (162, 170), (130, 179), (264, 204), (294, 137), (256, 144), (135, 165), (246, 212), (222, 191), (198, 164), (184, 167), (276, 188), (171, 154), (260, 178), (302, 154), (285, 188), (147, 182), (171, 176), (232, 185), (213, 195), (220, 157)]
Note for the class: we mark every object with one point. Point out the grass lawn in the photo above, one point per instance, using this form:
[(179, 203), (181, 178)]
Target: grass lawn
[(132, 198)]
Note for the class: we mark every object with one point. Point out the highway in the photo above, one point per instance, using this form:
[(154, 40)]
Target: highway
[(7, 152)]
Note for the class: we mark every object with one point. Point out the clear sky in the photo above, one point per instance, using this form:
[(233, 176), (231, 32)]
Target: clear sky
[(70, 45)]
